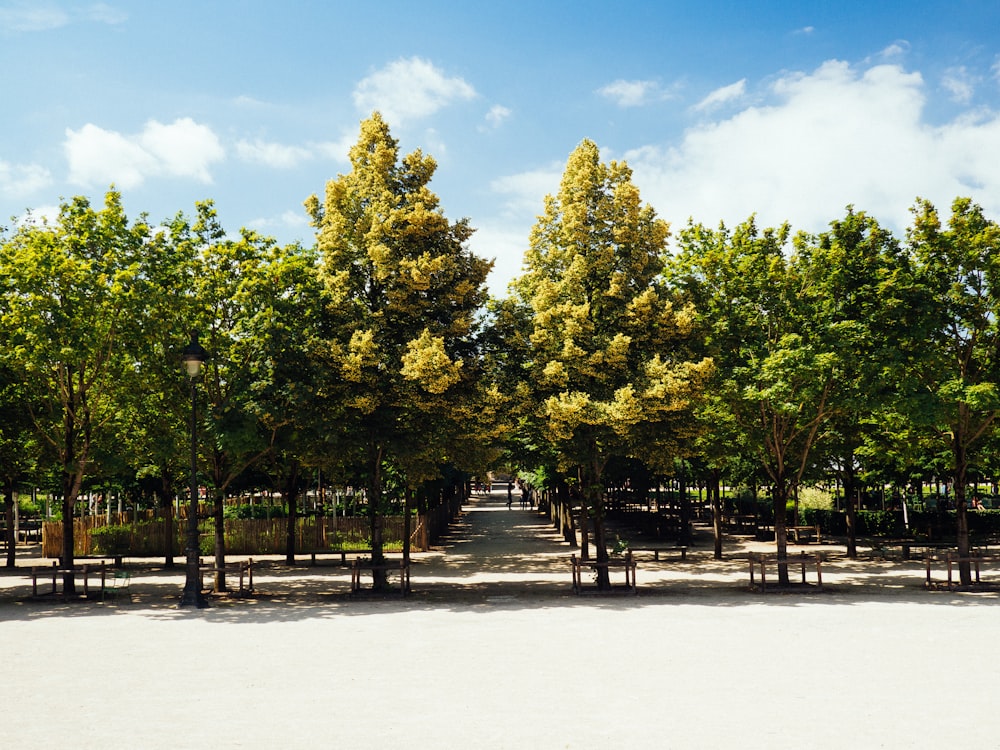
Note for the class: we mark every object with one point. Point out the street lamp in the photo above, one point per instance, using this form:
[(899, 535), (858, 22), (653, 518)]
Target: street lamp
[(193, 357)]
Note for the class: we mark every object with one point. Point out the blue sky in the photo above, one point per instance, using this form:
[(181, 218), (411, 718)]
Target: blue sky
[(790, 110)]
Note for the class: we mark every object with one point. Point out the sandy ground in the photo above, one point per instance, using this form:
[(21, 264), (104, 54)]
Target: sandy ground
[(493, 650)]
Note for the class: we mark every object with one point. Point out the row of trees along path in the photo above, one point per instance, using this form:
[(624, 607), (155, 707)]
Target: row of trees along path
[(493, 551)]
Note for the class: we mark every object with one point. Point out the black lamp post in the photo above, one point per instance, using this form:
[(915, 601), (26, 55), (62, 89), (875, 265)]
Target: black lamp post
[(194, 357)]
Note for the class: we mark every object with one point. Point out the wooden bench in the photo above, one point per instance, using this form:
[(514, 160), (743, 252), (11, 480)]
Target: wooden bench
[(57, 571), (314, 554), (656, 549), (950, 559), (362, 564), (907, 546), (763, 560), (797, 532), (244, 569), (626, 563)]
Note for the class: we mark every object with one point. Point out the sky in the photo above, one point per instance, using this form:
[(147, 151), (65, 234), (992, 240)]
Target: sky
[(787, 110)]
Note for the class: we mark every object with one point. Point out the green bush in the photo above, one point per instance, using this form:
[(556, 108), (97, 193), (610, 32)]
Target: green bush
[(111, 540), (254, 511)]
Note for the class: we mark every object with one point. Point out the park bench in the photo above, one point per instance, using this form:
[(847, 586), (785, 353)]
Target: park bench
[(657, 549), (798, 532), (626, 563), (55, 573), (763, 560), (906, 546), (362, 564), (343, 553), (950, 559), (243, 569)]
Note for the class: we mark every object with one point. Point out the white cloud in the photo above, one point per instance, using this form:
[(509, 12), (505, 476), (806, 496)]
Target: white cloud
[(409, 89), (632, 93), (894, 51), (505, 246), (338, 150), (46, 16), (523, 193), (104, 13), (38, 216), (18, 180), (181, 149), (959, 83), (724, 95), (496, 117), (836, 136), (33, 17), (277, 155)]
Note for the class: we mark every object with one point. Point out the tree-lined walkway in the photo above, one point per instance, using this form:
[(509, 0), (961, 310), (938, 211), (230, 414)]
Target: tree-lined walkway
[(492, 551)]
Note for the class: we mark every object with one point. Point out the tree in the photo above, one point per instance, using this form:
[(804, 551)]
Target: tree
[(959, 267), (607, 342), (234, 288), (67, 298), (776, 371), (857, 282), (19, 449), (404, 293)]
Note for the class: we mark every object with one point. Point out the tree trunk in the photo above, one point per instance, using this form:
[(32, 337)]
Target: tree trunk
[(961, 512), (10, 539), (715, 496), (218, 512), (780, 530), (407, 506), (685, 511), (593, 496), (380, 578), (851, 506), (167, 502), (66, 557), (289, 494)]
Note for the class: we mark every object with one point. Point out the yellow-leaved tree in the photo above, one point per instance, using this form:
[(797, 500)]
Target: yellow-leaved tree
[(404, 292), (608, 360)]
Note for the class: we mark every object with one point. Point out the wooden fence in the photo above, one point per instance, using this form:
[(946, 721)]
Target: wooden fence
[(243, 536)]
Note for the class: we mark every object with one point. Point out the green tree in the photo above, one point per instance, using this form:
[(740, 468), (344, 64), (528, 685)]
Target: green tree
[(234, 293), (858, 285), (607, 342), (958, 371), (405, 293), (67, 299), (19, 449), (777, 370)]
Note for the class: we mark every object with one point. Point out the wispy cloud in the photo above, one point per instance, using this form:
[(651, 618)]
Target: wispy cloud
[(277, 155), (497, 115), (46, 16), (836, 136), (409, 89), (23, 179), (721, 96), (959, 83), (180, 149), (633, 93)]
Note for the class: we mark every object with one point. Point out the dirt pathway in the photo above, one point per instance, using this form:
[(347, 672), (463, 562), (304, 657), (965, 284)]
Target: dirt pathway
[(494, 551)]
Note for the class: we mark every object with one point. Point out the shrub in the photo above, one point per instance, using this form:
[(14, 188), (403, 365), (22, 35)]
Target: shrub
[(111, 540)]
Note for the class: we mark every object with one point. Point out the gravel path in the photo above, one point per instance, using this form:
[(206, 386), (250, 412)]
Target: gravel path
[(494, 651)]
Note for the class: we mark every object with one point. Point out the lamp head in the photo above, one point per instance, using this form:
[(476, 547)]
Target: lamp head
[(193, 357)]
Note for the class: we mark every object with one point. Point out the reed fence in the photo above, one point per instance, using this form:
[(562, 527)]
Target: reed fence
[(243, 536)]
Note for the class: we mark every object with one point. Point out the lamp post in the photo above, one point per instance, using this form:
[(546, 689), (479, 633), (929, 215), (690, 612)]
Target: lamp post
[(193, 357)]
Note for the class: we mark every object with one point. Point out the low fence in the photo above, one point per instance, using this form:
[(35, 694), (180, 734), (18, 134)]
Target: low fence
[(243, 536)]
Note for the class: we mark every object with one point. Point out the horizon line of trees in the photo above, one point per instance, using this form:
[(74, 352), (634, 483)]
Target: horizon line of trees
[(742, 355)]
